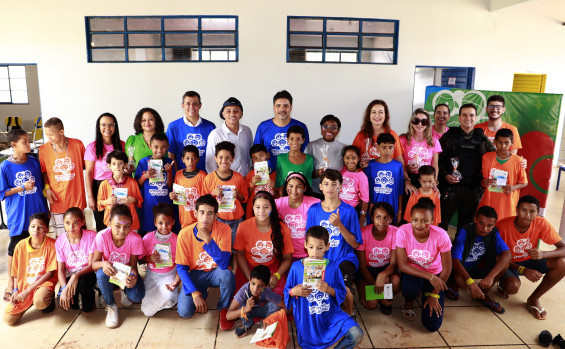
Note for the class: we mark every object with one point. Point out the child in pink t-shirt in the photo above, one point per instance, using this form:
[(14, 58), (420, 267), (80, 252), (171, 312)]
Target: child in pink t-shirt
[(377, 257), (74, 263), (424, 258), (355, 187), (292, 207), (160, 281), (114, 246)]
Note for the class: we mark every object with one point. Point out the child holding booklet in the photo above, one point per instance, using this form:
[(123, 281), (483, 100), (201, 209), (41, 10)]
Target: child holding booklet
[(155, 175), (189, 183), (119, 189), (319, 320), (117, 249), (255, 299), (161, 279), (254, 180)]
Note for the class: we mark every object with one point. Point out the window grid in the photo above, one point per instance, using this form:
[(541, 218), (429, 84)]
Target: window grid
[(340, 50), (197, 51), (9, 92)]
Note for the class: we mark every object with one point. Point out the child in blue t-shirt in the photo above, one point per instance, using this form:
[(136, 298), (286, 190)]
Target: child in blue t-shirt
[(21, 186), (154, 192), (319, 320), (342, 223), (386, 176)]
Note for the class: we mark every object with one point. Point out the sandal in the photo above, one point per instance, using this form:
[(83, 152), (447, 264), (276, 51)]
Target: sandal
[(7, 296), (539, 314), (492, 305), (409, 314), (386, 309), (452, 294), (501, 292)]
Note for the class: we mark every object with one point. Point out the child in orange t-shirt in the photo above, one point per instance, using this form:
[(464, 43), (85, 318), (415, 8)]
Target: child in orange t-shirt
[(503, 176), (427, 178), (110, 193), (228, 187), (263, 239), (203, 257), (33, 270), (258, 153), (62, 164), (192, 179)]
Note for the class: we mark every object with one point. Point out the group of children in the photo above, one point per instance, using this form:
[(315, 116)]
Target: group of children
[(286, 223)]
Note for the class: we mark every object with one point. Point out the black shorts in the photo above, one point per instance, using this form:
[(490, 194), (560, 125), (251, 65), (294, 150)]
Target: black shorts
[(347, 269), (14, 241)]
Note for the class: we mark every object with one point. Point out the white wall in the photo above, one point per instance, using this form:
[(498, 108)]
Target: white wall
[(523, 38)]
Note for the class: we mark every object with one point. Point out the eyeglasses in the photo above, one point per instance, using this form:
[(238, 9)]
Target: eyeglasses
[(424, 122), (497, 107), (108, 125), (332, 128)]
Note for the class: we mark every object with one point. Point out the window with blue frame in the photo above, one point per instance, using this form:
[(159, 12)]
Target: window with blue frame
[(162, 39), (342, 40), (13, 84)]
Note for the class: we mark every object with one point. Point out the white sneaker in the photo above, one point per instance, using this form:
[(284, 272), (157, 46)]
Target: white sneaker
[(112, 319), (125, 300)]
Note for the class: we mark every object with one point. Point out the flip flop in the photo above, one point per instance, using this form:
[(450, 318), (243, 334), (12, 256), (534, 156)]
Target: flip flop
[(492, 305), (409, 315), (7, 296), (537, 313), (452, 294), (501, 292), (558, 340)]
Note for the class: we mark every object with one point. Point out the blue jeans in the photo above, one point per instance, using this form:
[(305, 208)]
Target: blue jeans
[(134, 294), (259, 311), (411, 287), (224, 279), (351, 338), (233, 226)]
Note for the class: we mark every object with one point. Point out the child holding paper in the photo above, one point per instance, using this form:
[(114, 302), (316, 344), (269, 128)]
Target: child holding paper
[(260, 156)]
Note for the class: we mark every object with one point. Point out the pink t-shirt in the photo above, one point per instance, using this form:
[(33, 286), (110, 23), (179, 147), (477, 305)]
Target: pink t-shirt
[(101, 170), (111, 253), (417, 154), (149, 240), (295, 219), (75, 256), (425, 256), (355, 187), (377, 253), (437, 135)]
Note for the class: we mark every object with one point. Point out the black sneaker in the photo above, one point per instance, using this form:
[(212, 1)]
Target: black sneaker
[(49, 308), (354, 317), (242, 331)]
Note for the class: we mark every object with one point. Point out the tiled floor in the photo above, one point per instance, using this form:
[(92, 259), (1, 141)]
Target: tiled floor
[(467, 324)]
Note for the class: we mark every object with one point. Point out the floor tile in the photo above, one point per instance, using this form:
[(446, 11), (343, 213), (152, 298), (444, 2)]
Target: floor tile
[(227, 339), (495, 347)]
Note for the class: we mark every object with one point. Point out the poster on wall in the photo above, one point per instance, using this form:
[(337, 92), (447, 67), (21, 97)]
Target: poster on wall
[(536, 115)]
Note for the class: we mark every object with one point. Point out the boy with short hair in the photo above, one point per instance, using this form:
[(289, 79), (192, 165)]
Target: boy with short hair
[(495, 108), (479, 252), (319, 320), (386, 176), (259, 153), (342, 223), (427, 178), (107, 197), (154, 192), (203, 257), (503, 176), (21, 186), (62, 164), (192, 179)]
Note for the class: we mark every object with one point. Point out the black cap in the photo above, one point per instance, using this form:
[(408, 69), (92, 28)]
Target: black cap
[(232, 101)]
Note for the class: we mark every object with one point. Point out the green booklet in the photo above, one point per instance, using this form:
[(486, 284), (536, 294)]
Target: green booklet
[(314, 271), (371, 294)]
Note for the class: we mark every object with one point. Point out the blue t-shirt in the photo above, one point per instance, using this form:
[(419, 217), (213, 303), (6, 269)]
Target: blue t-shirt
[(386, 182), (153, 193), (478, 250), (21, 205), (274, 138), (319, 319), (181, 135), (339, 250)]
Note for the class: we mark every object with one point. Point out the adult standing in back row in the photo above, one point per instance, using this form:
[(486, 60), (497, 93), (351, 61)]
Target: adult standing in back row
[(190, 129), (272, 132)]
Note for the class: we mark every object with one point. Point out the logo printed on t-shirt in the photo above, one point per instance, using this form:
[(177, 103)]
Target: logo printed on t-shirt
[(196, 140), (21, 178), (379, 257), (205, 262), (477, 251), (295, 222), (118, 257), (161, 187), (319, 298), (383, 179), (35, 267), (76, 260), (347, 189), (262, 252), (191, 194), (279, 144), (421, 257), (374, 152), (522, 247), (418, 156), (64, 166), (333, 231)]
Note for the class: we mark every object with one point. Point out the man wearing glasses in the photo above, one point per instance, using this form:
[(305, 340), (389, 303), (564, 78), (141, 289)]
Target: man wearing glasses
[(495, 109)]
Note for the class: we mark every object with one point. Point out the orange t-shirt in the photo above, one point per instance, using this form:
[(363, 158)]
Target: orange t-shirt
[(28, 266), (490, 134), (258, 246), (359, 142), (212, 181), (190, 251), (520, 243), (105, 192), (194, 190), (65, 174), (414, 199), (504, 204), (257, 188)]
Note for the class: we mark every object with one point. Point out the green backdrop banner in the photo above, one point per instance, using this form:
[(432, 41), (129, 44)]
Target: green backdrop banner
[(536, 115)]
